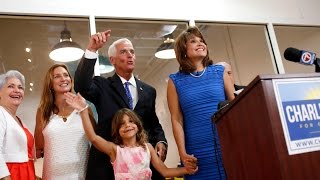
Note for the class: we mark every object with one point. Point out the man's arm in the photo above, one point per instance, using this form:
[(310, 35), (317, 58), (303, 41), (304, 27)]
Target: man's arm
[(85, 69), (83, 75)]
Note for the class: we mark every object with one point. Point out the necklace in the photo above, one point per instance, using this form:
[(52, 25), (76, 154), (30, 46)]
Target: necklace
[(64, 118), (64, 110), (197, 76)]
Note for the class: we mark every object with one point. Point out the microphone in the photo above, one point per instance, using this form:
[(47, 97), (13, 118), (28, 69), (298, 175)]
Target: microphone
[(302, 57)]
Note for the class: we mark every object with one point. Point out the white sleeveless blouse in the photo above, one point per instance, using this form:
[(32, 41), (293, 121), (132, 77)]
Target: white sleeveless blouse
[(66, 149)]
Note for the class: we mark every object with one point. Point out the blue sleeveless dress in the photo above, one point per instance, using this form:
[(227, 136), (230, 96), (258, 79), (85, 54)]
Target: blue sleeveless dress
[(199, 98)]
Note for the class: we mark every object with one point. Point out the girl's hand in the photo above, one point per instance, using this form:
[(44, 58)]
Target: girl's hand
[(189, 160), (75, 100), (191, 170), (190, 163)]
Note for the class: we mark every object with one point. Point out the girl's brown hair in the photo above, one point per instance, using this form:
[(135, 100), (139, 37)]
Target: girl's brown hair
[(47, 105), (180, 49), (117, 121)]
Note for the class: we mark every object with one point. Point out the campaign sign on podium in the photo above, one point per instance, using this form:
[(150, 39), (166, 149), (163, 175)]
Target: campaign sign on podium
[(298, 102)]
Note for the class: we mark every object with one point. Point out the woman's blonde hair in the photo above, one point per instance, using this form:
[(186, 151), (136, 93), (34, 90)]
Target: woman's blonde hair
[(47, 105)]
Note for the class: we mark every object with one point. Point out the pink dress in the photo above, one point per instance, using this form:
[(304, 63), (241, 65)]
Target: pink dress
[(132, 164)]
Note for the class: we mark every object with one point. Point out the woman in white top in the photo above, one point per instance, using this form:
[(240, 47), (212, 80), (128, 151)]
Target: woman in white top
[(59, 134)]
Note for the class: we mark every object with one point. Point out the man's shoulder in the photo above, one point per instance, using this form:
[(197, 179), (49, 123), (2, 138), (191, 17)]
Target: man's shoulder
[(105, 79), (144, 85)]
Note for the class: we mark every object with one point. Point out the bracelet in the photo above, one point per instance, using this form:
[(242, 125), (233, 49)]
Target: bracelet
[(79, 111)]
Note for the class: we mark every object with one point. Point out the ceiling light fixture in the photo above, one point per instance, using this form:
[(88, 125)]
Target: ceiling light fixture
[(66, 50), (104, 65), (166, 49)]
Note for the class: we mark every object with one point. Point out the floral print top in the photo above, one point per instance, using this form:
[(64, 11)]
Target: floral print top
[(132, 163)]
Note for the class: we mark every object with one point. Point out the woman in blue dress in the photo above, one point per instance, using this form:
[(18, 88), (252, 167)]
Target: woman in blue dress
[(193, 95)]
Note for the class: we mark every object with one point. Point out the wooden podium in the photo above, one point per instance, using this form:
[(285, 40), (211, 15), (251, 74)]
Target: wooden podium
[(252, 140)]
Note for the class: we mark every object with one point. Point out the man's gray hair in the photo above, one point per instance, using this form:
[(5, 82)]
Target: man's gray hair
[(112, 48), (11, 74)]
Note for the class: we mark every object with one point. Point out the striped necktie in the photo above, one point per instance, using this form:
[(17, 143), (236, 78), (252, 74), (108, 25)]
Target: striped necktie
[(126, 87)]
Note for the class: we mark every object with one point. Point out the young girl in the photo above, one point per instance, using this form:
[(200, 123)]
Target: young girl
[(130, 153)]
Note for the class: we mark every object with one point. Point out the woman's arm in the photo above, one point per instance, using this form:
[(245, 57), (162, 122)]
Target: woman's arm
[(4, 171), (176, 117), (38, 136), (177, 121), (228, 86), (169, 172)]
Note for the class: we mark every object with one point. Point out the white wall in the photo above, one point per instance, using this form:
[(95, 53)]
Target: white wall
[(251, 11)]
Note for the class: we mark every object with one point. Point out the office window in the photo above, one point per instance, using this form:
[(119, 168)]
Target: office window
[(302, 38), (39, 35), (245, 47)]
